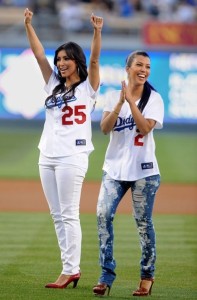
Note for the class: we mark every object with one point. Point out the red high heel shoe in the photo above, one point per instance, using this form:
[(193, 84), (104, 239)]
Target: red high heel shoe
[(142, 289), (72, 278), (101, 288)]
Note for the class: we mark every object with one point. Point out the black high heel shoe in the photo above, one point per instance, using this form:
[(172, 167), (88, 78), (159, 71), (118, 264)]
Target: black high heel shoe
[(142, 289), (73, 278), (101, 288)]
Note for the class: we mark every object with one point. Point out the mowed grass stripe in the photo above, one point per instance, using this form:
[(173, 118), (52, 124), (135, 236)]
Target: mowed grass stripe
[(176, 153), (176, 156), (30, 257)]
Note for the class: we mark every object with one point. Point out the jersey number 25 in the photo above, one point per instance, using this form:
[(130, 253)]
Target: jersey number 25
[(77, 111)]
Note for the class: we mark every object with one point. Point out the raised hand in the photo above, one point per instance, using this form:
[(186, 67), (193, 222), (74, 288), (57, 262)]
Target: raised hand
[(97, 22), (126, 91), (122, 93), (28, 16)]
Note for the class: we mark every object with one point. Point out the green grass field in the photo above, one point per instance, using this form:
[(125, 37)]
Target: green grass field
[(29, 258), (176, 153), (29, 255)]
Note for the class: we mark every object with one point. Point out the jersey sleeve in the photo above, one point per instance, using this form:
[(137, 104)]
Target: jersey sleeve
[(93, 94), (155, 109), (53, 82)]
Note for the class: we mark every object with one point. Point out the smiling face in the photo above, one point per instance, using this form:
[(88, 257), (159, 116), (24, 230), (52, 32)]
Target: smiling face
[(67, 67), (139, 69)]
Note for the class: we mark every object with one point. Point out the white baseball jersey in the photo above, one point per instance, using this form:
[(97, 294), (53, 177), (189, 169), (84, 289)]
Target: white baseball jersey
[(131, 156), (67, 129)]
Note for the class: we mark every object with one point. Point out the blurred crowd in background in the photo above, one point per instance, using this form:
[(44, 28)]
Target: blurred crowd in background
[(73, 15)]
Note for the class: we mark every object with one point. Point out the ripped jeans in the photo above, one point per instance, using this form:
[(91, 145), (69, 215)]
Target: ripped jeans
[(143, 195)]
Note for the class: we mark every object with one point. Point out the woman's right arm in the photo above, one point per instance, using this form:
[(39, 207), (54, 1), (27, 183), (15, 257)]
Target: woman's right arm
[(36, 46), (109, 118)]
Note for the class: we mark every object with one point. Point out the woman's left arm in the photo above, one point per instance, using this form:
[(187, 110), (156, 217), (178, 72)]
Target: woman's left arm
[(93, 74), (142, 124)]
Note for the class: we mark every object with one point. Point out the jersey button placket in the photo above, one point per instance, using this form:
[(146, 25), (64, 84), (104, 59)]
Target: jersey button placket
[(125, 154), (56, 116), (56, 128)]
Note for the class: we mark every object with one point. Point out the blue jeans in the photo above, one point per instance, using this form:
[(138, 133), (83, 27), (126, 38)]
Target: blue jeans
[(143, 195)]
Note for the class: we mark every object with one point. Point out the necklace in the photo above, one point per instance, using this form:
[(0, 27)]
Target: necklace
[(67, 88)]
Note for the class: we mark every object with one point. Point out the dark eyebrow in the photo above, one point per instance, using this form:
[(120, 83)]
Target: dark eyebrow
[(64, 56), (139, 62)]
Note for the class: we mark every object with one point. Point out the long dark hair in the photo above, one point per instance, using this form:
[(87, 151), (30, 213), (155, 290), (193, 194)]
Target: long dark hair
[(74, 52), (147, 86)]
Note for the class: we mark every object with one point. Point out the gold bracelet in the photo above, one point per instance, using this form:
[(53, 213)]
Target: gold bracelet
[(115, 112)]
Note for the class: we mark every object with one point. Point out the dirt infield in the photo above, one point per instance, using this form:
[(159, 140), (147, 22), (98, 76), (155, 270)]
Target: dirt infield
[(20, 195)]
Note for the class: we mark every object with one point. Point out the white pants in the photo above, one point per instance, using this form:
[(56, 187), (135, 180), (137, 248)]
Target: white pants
[(62, 180)]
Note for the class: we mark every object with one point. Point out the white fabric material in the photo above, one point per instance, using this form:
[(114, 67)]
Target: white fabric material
[(62, 180), (127, 150), (65, 126)]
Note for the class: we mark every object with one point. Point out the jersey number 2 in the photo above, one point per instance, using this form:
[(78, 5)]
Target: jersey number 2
[(77, 111), (137, 141)]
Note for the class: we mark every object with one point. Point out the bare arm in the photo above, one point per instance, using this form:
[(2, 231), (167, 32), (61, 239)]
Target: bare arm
[(94, 76), (36, 46), (109, 118), (144, 125)]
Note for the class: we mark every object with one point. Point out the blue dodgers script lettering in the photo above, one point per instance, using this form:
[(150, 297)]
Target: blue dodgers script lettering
[(121, 123), (58, 101)]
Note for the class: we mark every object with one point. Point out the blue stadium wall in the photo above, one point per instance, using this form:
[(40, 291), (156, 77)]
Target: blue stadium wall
[(173, 74)]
